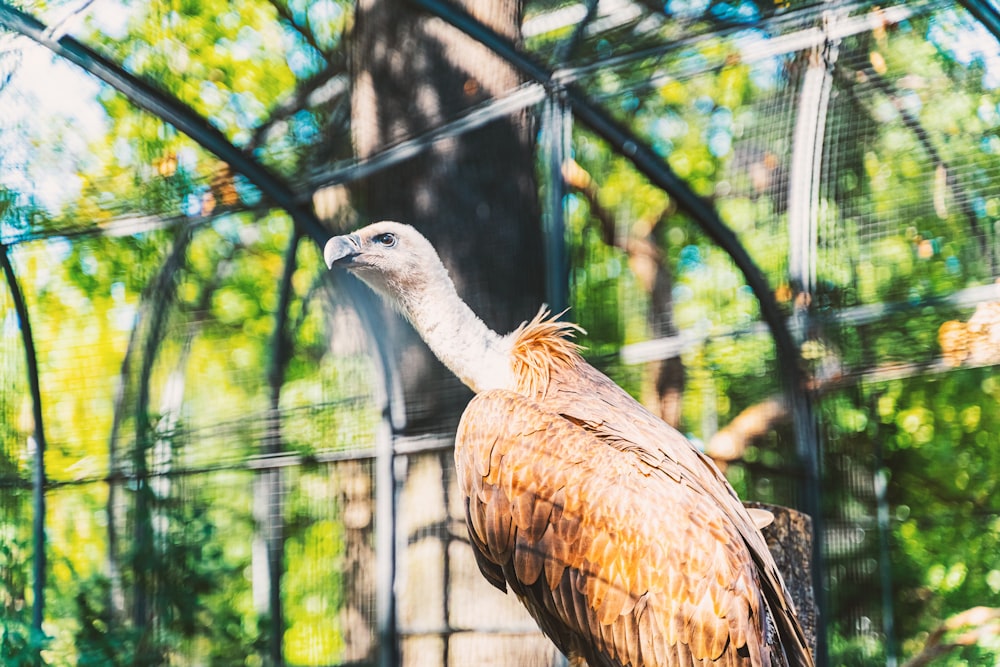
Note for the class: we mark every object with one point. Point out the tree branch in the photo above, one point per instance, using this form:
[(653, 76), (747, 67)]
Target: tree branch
[(971, 344), (983, 621), (647, 262), (296, 102), (304, 30)]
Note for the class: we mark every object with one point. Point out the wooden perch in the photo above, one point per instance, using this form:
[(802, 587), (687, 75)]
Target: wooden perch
[(789, 539), (978, 624)]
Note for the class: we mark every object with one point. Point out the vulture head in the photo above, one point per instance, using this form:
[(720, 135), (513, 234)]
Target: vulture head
[(398, 263), (393, 259)]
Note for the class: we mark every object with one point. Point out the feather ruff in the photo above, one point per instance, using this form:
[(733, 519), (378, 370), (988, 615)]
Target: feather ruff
[(542, 346)]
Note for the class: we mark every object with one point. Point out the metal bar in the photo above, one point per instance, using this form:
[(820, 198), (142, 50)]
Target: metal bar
[(986, 14), (855, 316), (270, 481), (804, 176), (148, 96), (389, 396), (752, 48), (129, 225), (881, 485), (355, 169), (555, 131), (38, 470), (656, 169), (567, 48), (803, 238), (280, 352), (645, 159)]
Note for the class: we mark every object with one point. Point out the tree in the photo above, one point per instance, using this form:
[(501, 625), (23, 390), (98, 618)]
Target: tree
[(476, 198), (473, 195)]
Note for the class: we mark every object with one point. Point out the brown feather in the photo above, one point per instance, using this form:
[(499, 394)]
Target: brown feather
[(626, 545), (541, 345), (527, 561), (565, 474)]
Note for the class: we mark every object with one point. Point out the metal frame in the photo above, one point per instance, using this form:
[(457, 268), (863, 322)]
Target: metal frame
[(560, 92), (656, 169), (164, 105), (38, 469), (986, 13)]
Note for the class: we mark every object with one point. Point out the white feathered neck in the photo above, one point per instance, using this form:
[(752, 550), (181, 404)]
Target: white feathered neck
[(479, 356), (402, 266)]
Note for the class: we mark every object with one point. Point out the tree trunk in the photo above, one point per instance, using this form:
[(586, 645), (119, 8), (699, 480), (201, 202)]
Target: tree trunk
[(474, 196), (789, 538)]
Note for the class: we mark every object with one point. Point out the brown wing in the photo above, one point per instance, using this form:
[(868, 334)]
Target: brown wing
[(620, 560), (581, 393)]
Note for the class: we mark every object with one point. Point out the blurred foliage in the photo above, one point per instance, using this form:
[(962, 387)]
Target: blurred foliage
[(894, 233), (179, 292)]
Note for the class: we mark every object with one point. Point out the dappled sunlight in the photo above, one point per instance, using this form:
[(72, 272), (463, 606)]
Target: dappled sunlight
[(239, 467)]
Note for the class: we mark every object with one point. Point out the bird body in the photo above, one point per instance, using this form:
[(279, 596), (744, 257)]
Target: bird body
[(627, 545)]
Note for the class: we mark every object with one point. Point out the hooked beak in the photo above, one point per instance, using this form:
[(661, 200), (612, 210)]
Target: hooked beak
[(341, 248)]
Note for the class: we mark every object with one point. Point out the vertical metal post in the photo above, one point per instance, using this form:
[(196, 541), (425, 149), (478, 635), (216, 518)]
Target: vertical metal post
[(38, 470), (804, 176), (389, 395), (654, 167), (557, 126), (385, 542), (885, 567), (803, 240), (269, 492)]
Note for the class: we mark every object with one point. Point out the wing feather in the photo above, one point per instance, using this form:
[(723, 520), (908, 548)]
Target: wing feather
[(499, 527), (527, 560), (647, 635), (586, 397), (631, 639), (490, 570), (623, 549)]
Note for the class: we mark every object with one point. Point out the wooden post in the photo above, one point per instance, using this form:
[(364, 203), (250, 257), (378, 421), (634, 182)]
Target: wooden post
[(789, 538)]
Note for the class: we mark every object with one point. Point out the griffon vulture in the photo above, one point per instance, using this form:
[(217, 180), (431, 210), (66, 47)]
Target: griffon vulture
[(625, 543)]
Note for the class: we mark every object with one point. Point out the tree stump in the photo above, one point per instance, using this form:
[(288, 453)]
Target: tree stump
[(789, 539)]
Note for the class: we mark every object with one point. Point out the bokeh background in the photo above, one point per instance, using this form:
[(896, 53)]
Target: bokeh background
[(215, 452)]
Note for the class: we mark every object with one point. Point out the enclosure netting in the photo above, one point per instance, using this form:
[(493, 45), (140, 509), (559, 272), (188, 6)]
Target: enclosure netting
[(222, 483)]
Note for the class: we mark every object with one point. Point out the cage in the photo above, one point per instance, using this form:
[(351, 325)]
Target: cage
[(776, 222)]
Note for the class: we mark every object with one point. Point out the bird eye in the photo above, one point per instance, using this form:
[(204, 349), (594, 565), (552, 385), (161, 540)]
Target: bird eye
[(386, 240)]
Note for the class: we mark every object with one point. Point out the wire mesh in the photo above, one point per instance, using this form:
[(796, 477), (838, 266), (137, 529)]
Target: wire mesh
[(206, 501), (895, 183), (447, 613)]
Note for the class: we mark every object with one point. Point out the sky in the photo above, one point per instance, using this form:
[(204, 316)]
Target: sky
[(46, 96)]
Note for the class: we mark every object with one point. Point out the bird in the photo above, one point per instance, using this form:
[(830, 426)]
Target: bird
[(625, 543)]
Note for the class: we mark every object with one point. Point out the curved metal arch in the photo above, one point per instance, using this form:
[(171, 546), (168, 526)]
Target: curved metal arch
[(147, 96), (162, 104), (165, 106), (985, 13), (38, 472), (656, 169)]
